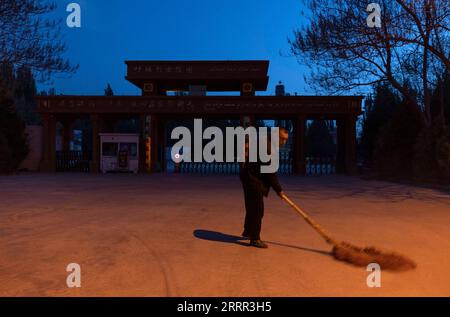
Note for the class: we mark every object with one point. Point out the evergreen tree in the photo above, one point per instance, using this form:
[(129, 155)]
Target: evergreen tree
[(319, 142), (394, 151), (432, 148), (13, 139), (432, 153), (25, 92), (7, 75), (440, 100), (379, 109), (109, 91)]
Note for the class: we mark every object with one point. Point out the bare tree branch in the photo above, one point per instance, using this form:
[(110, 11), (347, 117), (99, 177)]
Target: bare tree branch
[(29, 38), (344, 53)]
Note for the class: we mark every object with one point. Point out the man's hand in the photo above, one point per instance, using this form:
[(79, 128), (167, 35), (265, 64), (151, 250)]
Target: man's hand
[(281, 194)]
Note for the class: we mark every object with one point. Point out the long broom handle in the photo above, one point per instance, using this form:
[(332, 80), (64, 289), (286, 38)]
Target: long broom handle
[(309, 220)]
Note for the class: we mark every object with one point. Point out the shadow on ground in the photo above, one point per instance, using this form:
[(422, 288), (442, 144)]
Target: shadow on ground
[(228, 238), (219, 237)]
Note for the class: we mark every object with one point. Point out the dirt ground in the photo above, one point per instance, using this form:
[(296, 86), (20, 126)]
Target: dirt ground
[(178, 235)]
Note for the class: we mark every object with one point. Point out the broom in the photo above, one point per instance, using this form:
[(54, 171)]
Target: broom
[(347, 252)]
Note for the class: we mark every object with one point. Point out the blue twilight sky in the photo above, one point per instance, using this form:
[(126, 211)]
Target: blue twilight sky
[(117, 30)]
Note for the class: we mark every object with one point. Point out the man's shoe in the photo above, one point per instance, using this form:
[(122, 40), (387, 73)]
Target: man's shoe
[(258, 244), (245, 234)]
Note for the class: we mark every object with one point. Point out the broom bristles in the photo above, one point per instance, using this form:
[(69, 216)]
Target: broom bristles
[(344, 251), (364, 256)]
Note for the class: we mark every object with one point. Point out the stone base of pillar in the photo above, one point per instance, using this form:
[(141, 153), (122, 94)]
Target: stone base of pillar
[(94, 167), (46, 166)]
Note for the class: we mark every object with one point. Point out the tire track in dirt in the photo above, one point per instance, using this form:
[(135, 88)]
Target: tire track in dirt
[(170, 290)]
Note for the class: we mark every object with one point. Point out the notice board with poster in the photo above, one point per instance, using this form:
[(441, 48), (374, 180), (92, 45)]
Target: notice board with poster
[(123, 159)]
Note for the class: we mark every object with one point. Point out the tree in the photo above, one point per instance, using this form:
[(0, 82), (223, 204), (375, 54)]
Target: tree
[(319, 141), (109, 91), (379, 109), (411, 46), (428, 26), (7, 76), (29, 38), (24, 96), (432, 153), (394, 152), (440, 99), (13, 139), (432, 149)]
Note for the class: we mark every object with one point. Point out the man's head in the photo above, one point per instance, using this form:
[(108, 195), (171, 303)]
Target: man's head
[(284, 136)]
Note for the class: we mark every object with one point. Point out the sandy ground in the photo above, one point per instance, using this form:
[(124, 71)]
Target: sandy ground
[(177, 235)]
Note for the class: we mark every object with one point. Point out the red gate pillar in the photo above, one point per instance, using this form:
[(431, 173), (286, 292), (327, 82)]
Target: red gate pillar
[(44, 160), (67, 133), (162, 145), (52, 143), (340, 151), (154, 134), (350, 142), (48, 162), (346, 145), (95, 162), (247, 120), (142, 143), (299, 145)]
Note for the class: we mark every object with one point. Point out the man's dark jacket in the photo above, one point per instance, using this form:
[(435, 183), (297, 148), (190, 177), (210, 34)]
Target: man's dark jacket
[(252, 177)]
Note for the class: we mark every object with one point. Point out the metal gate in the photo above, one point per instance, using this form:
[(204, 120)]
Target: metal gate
[(285, 167), (320, 165), (73, 161)]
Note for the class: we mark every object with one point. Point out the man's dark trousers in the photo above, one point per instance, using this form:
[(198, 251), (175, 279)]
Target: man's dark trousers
[(256, 186), (254, 211)]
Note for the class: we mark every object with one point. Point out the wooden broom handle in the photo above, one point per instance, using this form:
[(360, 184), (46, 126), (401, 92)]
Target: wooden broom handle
[(309, 220)]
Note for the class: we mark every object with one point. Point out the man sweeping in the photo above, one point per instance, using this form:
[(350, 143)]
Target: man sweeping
[(256, 185)]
